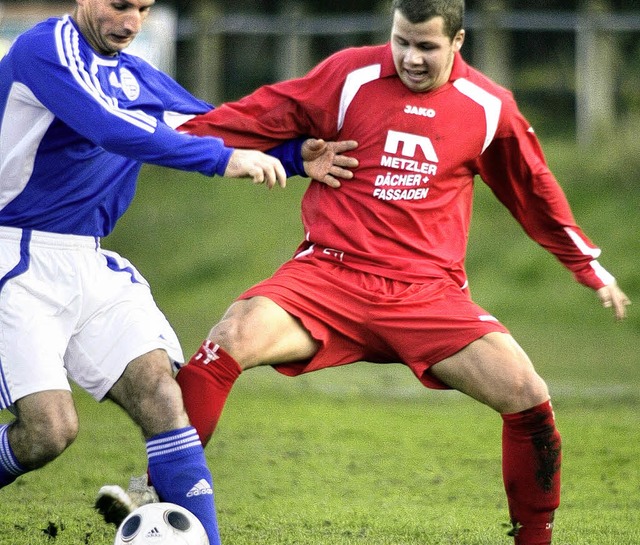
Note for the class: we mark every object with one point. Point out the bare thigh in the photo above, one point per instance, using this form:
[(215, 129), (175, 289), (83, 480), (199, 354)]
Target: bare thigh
[(257, 331), (495, 371)]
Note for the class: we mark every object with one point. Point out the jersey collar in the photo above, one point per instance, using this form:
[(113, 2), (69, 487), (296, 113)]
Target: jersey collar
[(460, 68)]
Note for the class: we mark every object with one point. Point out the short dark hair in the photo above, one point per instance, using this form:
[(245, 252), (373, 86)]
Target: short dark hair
[(419, 11)]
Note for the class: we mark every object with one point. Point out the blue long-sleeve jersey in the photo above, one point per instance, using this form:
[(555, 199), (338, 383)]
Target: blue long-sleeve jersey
[(75, 128)]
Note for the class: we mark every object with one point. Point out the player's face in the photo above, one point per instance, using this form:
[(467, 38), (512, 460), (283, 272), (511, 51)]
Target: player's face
[(111, 25), (423, 53)]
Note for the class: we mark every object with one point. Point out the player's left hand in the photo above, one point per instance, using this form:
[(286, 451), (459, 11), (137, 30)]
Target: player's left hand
[(260, 167), (613, 297), (324, 161)]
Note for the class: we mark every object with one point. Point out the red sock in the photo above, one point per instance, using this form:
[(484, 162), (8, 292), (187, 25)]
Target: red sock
[(531, 456), (205, 383)]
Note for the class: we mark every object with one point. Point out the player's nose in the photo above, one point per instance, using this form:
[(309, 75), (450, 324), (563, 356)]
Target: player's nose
[(132, 22), (412, 56)]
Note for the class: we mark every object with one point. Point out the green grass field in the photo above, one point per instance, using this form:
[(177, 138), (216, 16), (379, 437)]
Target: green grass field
[(363, 454)]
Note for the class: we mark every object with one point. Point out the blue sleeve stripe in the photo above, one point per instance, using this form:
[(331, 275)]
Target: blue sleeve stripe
[(67, 44)]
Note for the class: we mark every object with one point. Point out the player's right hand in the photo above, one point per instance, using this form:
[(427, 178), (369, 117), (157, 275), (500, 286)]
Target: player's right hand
[(613, 297), (260, 167)]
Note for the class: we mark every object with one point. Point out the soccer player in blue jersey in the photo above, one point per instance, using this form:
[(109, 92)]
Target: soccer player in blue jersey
[(78, 117)]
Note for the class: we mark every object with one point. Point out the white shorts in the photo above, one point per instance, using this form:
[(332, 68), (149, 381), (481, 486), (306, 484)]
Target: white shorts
[(69, 309)]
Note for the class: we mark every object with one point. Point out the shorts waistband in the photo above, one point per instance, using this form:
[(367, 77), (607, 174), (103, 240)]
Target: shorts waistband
[(52, 240)]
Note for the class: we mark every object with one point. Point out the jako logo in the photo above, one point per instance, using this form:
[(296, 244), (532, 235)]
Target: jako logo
[(418, 110), (410, 142)]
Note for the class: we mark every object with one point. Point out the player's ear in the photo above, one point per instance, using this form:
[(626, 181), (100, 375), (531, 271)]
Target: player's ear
[(458, 40)]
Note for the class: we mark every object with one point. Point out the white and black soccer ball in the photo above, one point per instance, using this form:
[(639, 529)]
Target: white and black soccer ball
[(161, 524)]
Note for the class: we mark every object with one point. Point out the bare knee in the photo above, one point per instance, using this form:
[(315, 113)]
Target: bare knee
[(45, 426), (229, 334), (55, 435), (239, 330), (149, 394), (521, 387), (257, 331), (523, 392)]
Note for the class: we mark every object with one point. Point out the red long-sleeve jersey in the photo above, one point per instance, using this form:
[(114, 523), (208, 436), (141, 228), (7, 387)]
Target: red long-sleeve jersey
[(406, 213)]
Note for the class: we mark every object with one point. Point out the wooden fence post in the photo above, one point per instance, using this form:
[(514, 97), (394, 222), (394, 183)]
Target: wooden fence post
[(492, 43), (595, 69), (208, 69), (293, 56)]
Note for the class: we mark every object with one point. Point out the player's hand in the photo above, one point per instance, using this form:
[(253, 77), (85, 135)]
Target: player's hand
[(323, 161), (613, 297), (260, 167)]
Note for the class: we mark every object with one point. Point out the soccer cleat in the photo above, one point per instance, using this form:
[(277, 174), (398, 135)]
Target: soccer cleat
[(140, 492), (114, 504)]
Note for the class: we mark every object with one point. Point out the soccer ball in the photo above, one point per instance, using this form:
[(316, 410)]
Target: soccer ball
[(161, 524)]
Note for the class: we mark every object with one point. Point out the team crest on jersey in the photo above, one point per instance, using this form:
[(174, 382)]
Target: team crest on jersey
[(128, 83)]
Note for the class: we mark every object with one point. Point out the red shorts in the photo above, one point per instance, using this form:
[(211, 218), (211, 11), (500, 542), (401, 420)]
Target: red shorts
[(357, 316)]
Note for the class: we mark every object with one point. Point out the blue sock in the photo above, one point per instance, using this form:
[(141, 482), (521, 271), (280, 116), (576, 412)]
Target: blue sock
[(10, 468), (179, 473)]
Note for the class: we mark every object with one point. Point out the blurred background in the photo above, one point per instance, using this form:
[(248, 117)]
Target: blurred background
[(574, 65)]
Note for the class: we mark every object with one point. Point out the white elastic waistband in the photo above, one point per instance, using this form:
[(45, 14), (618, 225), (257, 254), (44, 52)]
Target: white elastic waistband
[(43, 238)]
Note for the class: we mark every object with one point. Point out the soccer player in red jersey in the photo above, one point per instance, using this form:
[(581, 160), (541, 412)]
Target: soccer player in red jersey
[(380, 276)]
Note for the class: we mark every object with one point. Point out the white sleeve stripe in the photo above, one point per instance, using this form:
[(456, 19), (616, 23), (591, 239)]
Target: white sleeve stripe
[(598, 269), (581, 244), (352, 84), (490, 103), (602, 273), (67, 40), (59, 47)]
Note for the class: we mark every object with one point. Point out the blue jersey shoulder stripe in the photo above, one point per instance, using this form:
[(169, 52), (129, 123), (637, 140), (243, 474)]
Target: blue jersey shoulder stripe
[(67, 40)]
